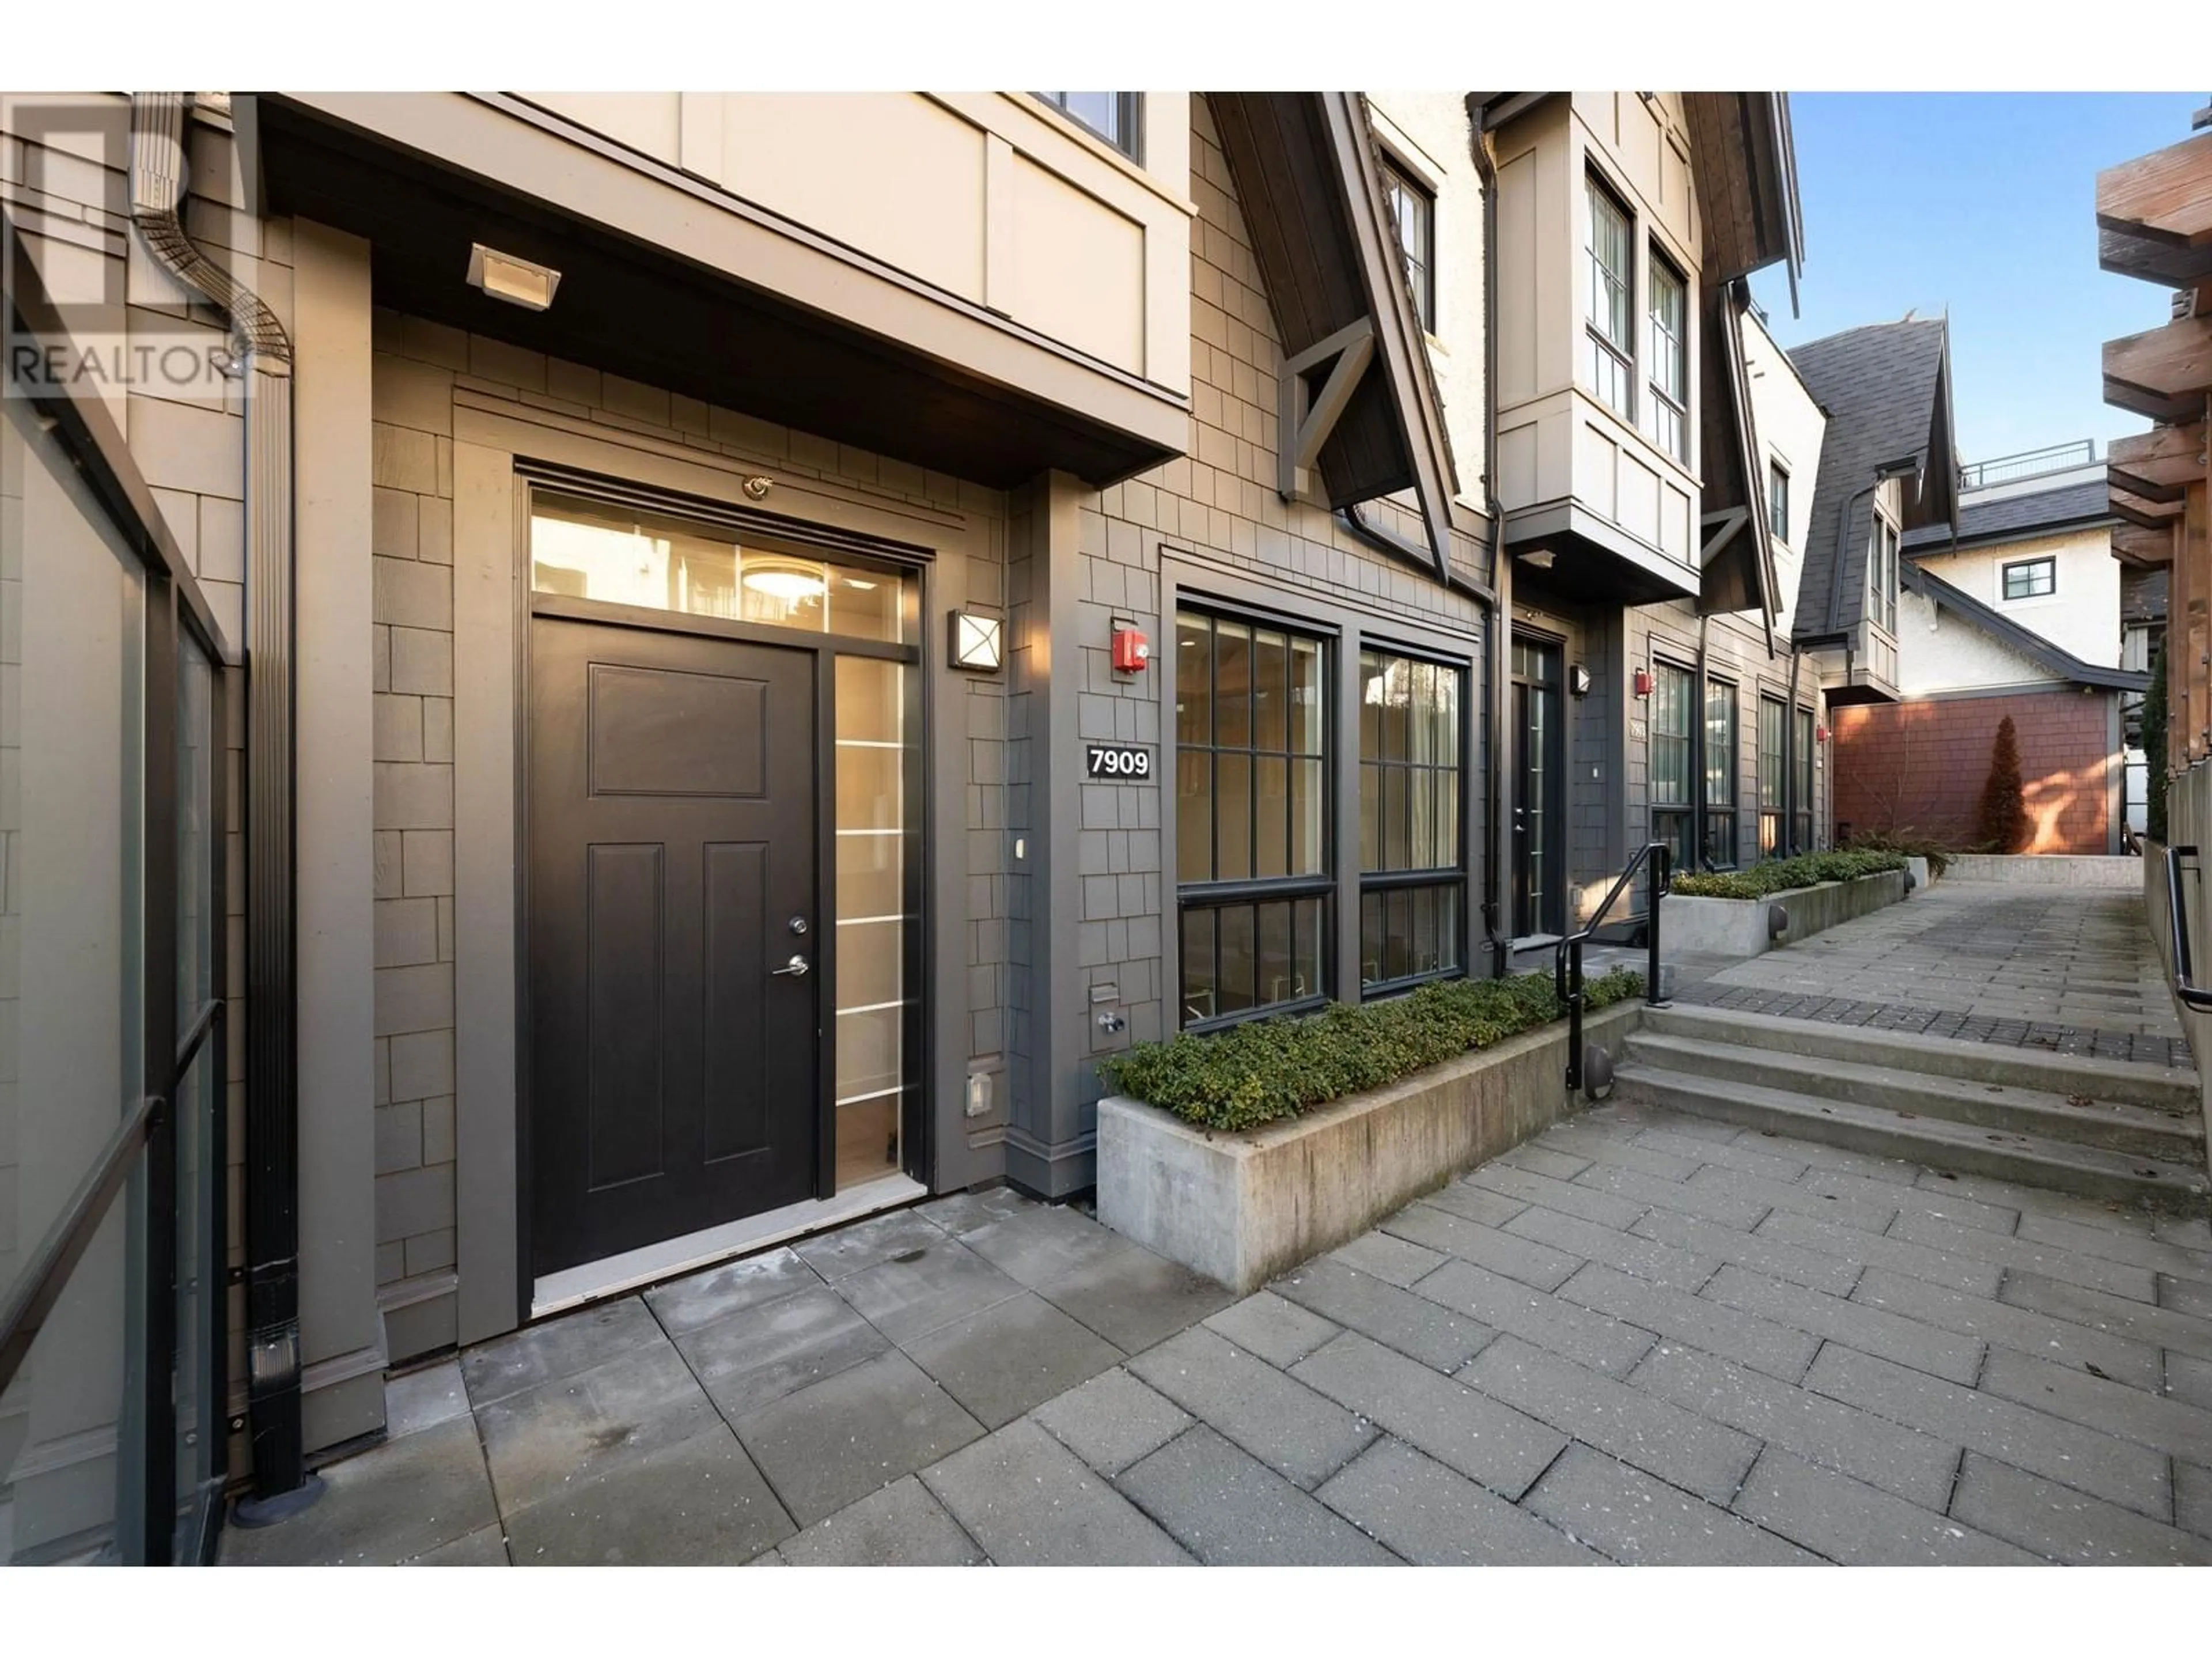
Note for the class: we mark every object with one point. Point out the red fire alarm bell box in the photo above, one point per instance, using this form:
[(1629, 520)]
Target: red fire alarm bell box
[(1132, 651), (1643, 682)]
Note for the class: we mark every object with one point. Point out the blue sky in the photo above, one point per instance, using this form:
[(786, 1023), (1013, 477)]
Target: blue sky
[(1984, 201)]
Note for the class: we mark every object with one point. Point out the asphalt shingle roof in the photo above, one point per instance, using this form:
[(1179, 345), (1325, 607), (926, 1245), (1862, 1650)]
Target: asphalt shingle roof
[(2020, 516), (1882, 387)]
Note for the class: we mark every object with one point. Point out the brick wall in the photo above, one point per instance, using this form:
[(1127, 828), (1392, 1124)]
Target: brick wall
[(1919, 766)]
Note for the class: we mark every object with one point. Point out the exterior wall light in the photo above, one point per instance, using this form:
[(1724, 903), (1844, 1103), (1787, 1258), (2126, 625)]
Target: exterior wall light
[(978, 642), (1542, 559), (517, 282)]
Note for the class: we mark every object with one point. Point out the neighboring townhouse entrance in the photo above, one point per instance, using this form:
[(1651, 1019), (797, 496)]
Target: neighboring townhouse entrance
[(1539, 788), (674, 1003)]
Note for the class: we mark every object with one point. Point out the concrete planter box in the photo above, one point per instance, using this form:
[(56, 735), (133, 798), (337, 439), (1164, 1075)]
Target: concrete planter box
[(1738, 927), (2047, 869), (1243, 1207)]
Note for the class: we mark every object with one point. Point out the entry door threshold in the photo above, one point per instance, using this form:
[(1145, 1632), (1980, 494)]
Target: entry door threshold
[(573, 1286)]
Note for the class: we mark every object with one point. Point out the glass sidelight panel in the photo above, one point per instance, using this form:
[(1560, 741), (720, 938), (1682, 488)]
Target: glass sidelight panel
[(1411, 738), (874, 915)]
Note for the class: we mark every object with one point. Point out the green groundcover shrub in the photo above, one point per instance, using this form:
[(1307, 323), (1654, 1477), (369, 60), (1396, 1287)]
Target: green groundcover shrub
[(1778, 875), (1267, 1069)]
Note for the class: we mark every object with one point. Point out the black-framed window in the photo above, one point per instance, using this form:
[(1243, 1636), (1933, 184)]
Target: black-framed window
[(1773, 774), (1413, 887), (2031, 579), (1252, 814), (1720, 768), (1777, 499), (1112, 115), (113, 919), (1670, 360), (1610, 333), (1881, 575), (1413, 210), (1804, 808), (1673, 743)]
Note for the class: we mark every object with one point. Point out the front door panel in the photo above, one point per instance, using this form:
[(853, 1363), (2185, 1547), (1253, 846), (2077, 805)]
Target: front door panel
[(1539, 788), (672, 842)]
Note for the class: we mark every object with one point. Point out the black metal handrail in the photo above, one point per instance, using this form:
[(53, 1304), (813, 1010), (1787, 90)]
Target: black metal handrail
[(1567, 964), (2177, 919)]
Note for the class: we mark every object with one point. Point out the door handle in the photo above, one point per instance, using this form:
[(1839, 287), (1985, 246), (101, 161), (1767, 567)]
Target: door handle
[(796, 968)]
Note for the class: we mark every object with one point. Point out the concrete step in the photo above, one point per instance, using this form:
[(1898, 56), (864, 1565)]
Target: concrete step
[(2029, 1160), (2125, 1082), (2167, 1133)]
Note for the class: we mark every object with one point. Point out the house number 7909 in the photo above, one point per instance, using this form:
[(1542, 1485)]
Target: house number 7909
[(1117, 760)]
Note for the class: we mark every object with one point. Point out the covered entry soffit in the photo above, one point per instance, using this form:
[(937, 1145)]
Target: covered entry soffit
[(1364, 413), (667, 280)]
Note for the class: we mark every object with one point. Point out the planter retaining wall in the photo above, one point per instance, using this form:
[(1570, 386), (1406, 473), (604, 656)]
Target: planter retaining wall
[(1738, 927), (2046, 870), (1243, 1207)]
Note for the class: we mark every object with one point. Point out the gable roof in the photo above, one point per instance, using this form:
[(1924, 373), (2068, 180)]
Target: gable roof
[(2015, 518), (1885, 388), (2026, 641)]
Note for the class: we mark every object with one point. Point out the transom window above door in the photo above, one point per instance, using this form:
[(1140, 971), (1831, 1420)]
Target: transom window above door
[(598, 551)]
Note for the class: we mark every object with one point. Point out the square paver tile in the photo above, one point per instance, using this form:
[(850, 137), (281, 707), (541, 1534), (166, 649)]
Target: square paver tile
[(1859, 1525), (559, 1347), (1394, 1260), (1434, 1517), (833, 1443), (900, 1526), (765, 1353), (698, 1502), (1281, 1333), (685, 1304), (1415, 1324), (392, 1503), (422, 1399), (1134, 1298), (564, 1431), (1635, 1518), (1230, 1510), (867, 1243), (1044, 1243), (962, 1213), (925, 1287), (1284, 1424), (1011, 1356), (2062, 1524), (1113, 1420), (1028, 1501), (1483, 1439)]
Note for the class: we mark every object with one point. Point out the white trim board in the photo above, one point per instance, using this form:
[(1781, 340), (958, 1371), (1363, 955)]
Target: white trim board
[(614, 1274)]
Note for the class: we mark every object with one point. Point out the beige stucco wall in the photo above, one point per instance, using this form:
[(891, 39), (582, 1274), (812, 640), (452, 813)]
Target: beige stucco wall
[(1790, 430), (1428, 134), (2081, 615)]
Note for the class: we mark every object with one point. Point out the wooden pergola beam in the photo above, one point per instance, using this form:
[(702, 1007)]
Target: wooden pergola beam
[(2166, 196), (2133, 544), (2148, 487), (2145, 515), (2170, 455), (2163, 372)]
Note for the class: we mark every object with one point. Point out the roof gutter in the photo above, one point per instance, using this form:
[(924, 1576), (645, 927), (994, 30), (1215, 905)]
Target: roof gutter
[(1496, 930), (263, 359)]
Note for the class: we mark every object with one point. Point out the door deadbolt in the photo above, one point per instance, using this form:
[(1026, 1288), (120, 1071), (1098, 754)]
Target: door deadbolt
[(797, 924), (796, 968)]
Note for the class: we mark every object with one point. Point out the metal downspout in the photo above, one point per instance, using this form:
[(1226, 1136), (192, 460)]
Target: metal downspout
[(263, 359), (1501, 569)]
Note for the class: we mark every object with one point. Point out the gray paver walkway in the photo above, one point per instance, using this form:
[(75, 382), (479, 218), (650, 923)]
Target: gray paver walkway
[(1637, 1338), (2067, 969)]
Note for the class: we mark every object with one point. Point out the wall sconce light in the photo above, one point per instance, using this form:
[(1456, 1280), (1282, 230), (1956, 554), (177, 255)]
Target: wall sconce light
[(1578, 680), (1643, 683), (978, 642), (1541, 559), (517, 282)]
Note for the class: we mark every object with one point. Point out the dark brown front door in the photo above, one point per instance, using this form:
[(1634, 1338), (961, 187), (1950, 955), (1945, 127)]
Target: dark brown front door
[(674, 1030)]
